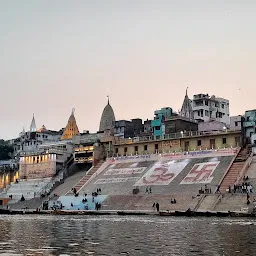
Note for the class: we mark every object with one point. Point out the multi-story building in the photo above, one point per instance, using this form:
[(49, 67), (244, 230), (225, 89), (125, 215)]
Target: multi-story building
[(123, 129), (147, 128), (161, 115), (249, 124), (31, 140), (177, 142), (236, 123), (137, 126), (210, 108), (179, 124)]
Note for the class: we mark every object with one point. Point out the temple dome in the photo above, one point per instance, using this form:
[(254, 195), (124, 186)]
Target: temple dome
[(42, 129), (107, 118)]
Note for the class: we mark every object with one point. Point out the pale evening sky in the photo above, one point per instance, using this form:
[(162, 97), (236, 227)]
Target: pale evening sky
[(64, 54)]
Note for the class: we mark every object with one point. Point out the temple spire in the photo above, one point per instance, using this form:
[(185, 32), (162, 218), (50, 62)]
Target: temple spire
[(186, 109), (107, 118), (33, 124), (71, 127)]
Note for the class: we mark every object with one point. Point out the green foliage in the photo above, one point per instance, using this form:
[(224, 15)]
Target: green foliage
[(5, 150)]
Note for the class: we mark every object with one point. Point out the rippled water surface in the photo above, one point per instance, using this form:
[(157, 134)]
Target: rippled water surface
[(114, 235)]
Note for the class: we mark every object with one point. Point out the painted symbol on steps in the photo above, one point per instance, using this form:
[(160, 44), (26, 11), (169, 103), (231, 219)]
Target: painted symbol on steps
[(201, 173), (162, 173)]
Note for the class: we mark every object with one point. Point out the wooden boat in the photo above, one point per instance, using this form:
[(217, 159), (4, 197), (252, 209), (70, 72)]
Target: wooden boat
[(4, 211), (240, 214), (223, 214), (167, 213), (131, 213)]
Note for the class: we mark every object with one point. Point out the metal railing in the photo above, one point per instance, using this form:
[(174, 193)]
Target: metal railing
[(178, 135), (203, 150)]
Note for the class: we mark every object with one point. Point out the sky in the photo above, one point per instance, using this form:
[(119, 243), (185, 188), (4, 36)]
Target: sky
[(64, 54)]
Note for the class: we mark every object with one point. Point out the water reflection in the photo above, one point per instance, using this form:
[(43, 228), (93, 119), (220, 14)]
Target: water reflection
[(59, 235)]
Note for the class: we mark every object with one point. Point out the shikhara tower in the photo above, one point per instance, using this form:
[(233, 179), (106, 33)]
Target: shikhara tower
[(186, 109), (107, 118), (71, 128)]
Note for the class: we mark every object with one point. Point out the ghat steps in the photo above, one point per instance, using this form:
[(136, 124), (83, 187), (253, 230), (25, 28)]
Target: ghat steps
[(80, 184), (235, 169)]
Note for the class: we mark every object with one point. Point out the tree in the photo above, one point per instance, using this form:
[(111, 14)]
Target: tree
[(5, 150)]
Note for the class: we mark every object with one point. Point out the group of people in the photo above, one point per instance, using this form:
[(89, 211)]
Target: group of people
[(206, 190), (97, 206), (148, 190), (173, 201), (245, 187), (157, 206)]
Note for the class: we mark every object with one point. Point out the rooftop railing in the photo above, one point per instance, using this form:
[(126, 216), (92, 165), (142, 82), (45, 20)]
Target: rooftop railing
[(170, 136)]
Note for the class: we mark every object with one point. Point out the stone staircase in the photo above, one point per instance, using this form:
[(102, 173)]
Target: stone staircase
[(145, 202), (231, 202), (208, 202), (67, 184), (80, 184), (235, 169), (31, 204)]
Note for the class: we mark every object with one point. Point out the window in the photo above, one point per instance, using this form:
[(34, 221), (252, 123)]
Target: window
[(125, 150), (236, 123), (222, 105), (136, 149), (224, 141), (206, 103), (206, 113), (157, 128), (116, 150), (156, 146), (145, 147), (199, 143)]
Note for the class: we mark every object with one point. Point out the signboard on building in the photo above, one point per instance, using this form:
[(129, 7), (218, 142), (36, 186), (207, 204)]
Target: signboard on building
[(172, 143)]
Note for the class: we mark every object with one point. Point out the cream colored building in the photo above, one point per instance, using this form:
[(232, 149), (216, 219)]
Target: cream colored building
[(176, 142)]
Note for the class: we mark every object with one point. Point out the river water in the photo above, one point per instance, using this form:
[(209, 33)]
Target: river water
[(131, 235)]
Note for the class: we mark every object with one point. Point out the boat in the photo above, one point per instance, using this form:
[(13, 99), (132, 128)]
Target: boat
[(167, 213)]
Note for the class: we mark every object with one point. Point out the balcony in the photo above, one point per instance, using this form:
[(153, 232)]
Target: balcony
[(249, 124), (156, 122)]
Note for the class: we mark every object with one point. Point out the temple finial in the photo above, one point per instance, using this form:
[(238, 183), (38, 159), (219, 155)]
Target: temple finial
[(108, 99), (73, 111), (187, 91)]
